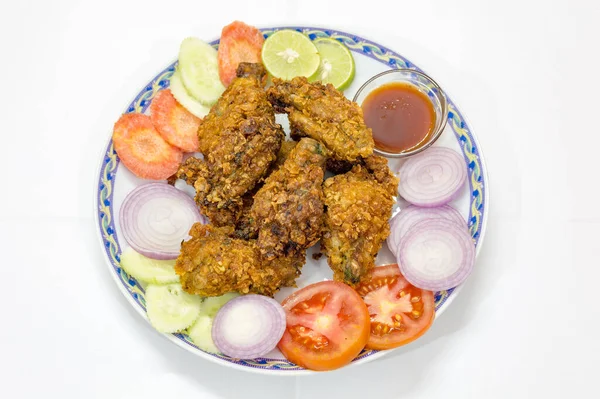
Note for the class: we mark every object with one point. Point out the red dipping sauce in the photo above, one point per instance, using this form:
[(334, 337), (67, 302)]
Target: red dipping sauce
[(401, 117)]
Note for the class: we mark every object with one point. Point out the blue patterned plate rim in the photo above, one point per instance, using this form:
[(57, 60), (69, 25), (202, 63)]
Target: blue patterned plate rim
[(134, 292)]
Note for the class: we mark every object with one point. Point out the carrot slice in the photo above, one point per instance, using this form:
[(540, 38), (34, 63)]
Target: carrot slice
[(175, 124), (239, 43), (142, 149)]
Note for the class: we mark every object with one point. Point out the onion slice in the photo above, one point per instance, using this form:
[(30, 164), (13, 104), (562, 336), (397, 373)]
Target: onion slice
[(436, 255), (393, 239), (156, 217), (248, 326), (433, 177), (402, 222)]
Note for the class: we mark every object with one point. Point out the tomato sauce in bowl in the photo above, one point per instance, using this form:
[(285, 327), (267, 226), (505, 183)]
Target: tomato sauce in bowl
[(400, 116), (406, 110)]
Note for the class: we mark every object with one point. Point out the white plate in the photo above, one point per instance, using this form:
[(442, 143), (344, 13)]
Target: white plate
[(114, 182)]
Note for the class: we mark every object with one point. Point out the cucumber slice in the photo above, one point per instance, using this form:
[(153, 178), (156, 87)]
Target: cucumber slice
[(211, 305), (183, 97), (201, 332), (200, 70), (170, 309), (148, 270)]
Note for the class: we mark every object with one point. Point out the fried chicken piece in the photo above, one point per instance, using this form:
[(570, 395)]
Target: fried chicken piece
[(288, 209), (337, 167), (358, 208), (239, 140), (245, 227), (378, 166), (284, 152), (324, 114), (191, 169), (196, 173), (213, 263)]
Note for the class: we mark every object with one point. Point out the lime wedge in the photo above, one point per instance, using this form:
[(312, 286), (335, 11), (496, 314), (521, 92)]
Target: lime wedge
[(337, 63), (287, 54)]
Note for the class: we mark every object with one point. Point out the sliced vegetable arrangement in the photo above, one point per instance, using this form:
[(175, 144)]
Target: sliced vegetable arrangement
[(249, 326), (430, 238), (185, 99), (400, 312), (174, 123), (200, 71), (327, 326), (156, 217), (337, 64), (151, 271), (143, 150), (170, 309), (436, 254), (201, 331), (287, 54), (433, 177), (409, 216), (239, 43), (322, 326)]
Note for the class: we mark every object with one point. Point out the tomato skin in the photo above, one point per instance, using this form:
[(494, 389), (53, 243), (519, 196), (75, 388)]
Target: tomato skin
[(379, 294), (351, 330)]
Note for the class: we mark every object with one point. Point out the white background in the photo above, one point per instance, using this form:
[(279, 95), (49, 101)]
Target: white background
[(525, 73)]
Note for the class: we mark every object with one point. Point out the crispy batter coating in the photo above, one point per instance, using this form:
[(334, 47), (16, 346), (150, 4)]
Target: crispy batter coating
[(378, 166), (284, 152), (337, 166), (325, 114), (191, 169), (213, 263), (196, 172), (245, 228), (240, 141), (288, 209), (358, 208)]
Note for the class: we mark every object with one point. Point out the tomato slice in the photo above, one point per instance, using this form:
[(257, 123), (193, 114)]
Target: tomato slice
[(399, 311), (327, 326)]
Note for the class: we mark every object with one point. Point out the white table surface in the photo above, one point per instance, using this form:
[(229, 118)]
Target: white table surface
[(526, 74)]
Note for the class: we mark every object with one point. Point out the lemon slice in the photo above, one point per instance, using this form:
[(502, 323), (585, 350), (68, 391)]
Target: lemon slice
[(337, 63), (287, 54)]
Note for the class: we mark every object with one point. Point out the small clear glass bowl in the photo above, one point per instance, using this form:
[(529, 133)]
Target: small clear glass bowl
[(427, 86)]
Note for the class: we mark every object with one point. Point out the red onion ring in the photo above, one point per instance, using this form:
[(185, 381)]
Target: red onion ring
[(433, 177), (409, 216), (393, 239), (248, 326), (156, 217), (436, 255)]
